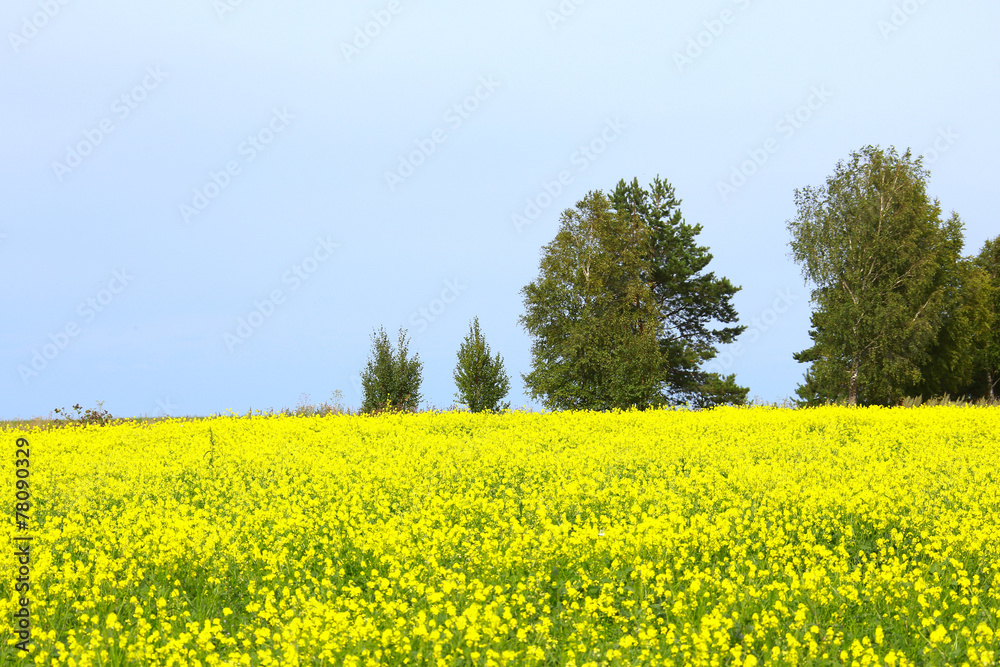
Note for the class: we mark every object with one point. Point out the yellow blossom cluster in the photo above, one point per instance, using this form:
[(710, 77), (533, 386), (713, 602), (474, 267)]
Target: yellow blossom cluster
[(725, 537)]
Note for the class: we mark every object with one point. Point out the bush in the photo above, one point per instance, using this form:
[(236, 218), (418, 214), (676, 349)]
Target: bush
[(92, 416), (304, 408)]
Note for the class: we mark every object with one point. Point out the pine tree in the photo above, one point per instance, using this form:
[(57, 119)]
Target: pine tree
[(481, 380), (391, 379)]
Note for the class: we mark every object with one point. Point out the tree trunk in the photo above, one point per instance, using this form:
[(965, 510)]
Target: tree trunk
[(989, 385), (852, 387)]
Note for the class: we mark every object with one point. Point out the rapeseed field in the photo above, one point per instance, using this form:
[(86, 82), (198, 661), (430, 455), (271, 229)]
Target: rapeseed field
[(733, 536)]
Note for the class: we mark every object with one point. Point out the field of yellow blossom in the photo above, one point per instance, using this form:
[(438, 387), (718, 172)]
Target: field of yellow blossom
[(725, 537)]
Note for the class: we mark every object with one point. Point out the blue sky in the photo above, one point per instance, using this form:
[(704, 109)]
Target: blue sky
[(210, 204)]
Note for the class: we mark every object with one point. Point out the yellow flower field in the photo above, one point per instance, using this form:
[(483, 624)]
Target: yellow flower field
[(724, 537)]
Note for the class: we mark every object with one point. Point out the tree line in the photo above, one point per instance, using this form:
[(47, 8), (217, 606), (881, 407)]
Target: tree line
[(625, 313)]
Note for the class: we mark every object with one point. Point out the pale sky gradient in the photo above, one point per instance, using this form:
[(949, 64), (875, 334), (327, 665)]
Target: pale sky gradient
[(172, 170)]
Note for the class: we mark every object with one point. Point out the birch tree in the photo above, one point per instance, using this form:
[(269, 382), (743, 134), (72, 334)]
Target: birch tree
[(882, 264)]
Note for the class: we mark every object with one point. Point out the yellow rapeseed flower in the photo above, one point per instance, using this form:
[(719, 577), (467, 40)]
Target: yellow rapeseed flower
[(659, 537)]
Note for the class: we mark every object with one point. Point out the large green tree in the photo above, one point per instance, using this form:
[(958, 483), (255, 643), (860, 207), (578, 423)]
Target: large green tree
[(885, 274), (621, 311)]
